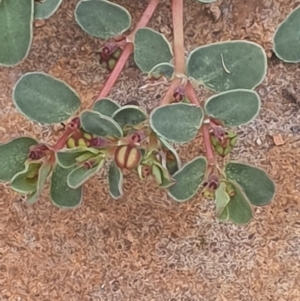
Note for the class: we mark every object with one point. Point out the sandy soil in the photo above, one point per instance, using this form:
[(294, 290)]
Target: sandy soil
[(145, 246)]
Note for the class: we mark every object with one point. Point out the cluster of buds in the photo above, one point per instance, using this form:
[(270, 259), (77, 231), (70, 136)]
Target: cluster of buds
[(111, 52), (222, 141), (211, 185)]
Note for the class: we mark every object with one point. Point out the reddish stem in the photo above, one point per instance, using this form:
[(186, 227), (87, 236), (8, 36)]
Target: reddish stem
[(191, 94), (127, 50), (169, 95), (63, 139), (177, 16)]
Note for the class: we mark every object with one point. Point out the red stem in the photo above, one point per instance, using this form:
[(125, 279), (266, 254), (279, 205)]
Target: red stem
[(63, 139), (177, 16), (127, 50), (169, 95), (191, 94)]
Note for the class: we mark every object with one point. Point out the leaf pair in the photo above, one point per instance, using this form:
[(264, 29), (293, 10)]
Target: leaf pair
[(248, 186)]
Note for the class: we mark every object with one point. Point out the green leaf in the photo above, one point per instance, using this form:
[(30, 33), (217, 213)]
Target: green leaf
[(61, 194), (162, 69), (177, 122), (45, 9), (102, 19), (239, 209), (106, 106), (129, 116), (287, 38), (16, 31), (150, 49), (45, 99), (67, 158), (257, 185), (207, 1), (44, 173), (13, 155), (115, 181), (100, 125), (81, 174), (23, 182), (171, 166), (188, 180), (224, 216), (236, 107), (222, 199), (227, 66)]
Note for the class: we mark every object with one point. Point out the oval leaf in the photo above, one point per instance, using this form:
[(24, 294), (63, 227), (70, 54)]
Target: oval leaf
[(45, 99), (44, 172), (177, 122), (106, 106), (257, 185), (102, 19), (162, 69), (188, 180), (67, 158), (100, 125), (61, 194), (115, 181), (227, 66), (207, 1), (13, 155), (16, 31), (21, 183), (239, 209), (81, 174), (221, 199), (236, 107), (287, 38), (129, 116), (46, 8), (150, 49)]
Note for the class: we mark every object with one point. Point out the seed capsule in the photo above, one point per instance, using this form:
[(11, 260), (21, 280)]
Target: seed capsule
[(127, 157)]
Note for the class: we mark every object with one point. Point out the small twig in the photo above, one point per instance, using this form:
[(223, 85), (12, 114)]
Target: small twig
[(177, 16), (191, 94), (127, 50)]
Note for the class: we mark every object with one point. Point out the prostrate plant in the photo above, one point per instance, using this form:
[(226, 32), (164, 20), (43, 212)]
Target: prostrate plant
[(126, 137)]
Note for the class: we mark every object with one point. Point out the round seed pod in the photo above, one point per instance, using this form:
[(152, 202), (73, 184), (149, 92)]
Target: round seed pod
[(127, 157)]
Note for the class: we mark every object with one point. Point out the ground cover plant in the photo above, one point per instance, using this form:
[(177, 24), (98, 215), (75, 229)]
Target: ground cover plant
[(126, 138)]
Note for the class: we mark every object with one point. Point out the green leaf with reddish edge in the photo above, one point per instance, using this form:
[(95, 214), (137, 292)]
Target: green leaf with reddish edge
[(45, 99), (287, 38), (162, 69), (100, 125), (225, 66), (45, 9), (171, 166), (255, 182), (102, 19), (239, 209), (178, 122), (61, 194), (150, 49), (115, 181), (81, 174), (44, 173), (21, 183), (221, 199), (67, 158), (16, 31), (106, 106), (188, 179), (234, 108), (129, 116), (13, 155)]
